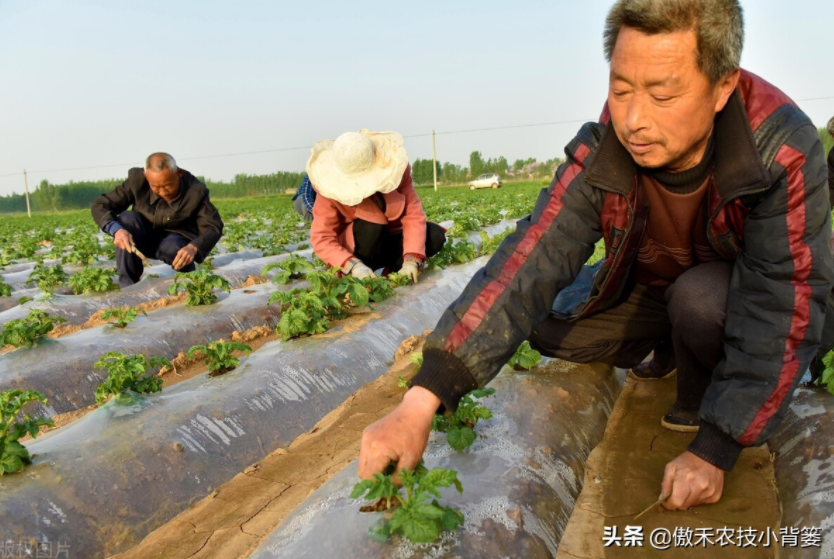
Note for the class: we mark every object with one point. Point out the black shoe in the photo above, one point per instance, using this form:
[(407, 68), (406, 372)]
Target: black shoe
[(651, 371), (681, 420)]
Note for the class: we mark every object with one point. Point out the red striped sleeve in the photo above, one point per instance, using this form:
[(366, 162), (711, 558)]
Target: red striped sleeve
[(482, 304), (793, 161)]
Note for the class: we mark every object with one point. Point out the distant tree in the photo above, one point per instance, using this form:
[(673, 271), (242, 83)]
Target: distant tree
[(476, 163), (453, 173), (422, 171)]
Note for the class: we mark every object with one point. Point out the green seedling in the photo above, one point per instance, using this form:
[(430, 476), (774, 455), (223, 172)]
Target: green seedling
[(122, 316), (460, 426), (220, 355), (399, 280), (416, 516), (47, 278), (379, 289), (460, 252), (303, 313), (93, 280), (200, 286), (15, 425), (416, 358), (23, 332), (290, 268), (5, 288), (126, 373), (402, 382), (826, 379), (525, 358)]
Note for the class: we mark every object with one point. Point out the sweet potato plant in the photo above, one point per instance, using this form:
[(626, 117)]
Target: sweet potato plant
[(525, 357), (5, 288), (47, 278), (14, 425), (93, 280), (122, 316), (127, 373), (220, 355), (23, 332), (460, 426), (417, 516), (200, 285), (290, 268)]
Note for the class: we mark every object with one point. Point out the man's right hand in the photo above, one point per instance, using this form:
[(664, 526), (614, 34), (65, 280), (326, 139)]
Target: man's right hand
[(123, 240), (401, 436)]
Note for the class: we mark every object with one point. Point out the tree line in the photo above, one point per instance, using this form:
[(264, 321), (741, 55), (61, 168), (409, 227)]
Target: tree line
[(422, 170), (80, 195)]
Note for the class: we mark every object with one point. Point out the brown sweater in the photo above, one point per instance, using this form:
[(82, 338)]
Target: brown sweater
[(675, 239)]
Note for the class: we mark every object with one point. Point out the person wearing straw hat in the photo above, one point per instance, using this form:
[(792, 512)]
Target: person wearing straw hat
[(367, 214)]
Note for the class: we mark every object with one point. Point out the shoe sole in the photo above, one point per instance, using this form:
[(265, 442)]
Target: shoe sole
[(680, 428), (635, 377)]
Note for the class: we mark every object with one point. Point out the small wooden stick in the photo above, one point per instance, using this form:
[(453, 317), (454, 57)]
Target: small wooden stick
[(653, 505), (140, 255)]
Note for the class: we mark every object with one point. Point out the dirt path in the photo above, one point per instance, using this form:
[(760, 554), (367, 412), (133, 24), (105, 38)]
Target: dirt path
[(232, 521), (623, 477)]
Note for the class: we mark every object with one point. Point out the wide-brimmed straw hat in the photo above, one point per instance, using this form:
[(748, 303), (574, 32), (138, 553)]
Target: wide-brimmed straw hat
[(357, 164)]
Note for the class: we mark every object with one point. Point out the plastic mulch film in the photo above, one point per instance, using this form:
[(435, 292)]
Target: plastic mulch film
[(804, 447), (78, 308), (520, 478), (100, 484), (62, 368)]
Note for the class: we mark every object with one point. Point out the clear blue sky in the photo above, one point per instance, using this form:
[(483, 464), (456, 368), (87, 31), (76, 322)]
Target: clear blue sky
[(95, 82)]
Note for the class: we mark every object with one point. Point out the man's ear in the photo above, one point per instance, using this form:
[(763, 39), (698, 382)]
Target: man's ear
[(725, 88), (179, 173)]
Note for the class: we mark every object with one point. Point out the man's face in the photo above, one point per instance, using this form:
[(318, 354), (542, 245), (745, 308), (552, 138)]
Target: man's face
[(165, 184), (662, 106)]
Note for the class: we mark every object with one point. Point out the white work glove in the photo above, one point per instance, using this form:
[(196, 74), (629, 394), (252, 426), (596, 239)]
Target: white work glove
[(360, 271), (411, 270)]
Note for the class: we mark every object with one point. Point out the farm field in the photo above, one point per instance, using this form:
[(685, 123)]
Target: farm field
[(219, 413), (179, 382)]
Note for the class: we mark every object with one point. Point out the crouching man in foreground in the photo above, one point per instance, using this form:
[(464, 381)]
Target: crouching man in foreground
[(172, 218), (708, 186)]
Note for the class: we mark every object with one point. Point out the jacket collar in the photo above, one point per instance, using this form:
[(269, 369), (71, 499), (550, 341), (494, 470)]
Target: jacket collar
[(738, 166)]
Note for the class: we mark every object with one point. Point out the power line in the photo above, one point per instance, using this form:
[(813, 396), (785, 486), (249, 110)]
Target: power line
[(298, 148)]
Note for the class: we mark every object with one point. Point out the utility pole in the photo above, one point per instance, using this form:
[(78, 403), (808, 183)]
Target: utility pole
[(434, 160), (26, 190)]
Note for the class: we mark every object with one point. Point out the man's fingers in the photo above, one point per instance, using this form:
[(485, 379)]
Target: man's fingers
[(373, 459), (668, 480), (408, 461), (680, 495)]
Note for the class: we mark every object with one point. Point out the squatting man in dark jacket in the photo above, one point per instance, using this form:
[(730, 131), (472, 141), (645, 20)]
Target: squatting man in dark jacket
[(708, 186), (172, 218)]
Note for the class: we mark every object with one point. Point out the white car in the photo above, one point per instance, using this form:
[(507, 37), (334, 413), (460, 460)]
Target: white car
[(487, 180)]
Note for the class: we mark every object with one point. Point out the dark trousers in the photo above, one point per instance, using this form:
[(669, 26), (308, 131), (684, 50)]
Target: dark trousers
[(379, 248), (683, 324), (687, 317), (153, 243)]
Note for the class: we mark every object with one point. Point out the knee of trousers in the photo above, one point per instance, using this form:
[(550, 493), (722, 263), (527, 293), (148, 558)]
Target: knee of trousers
[(435, 238), (169, 247), (696, 313), (132, 221)]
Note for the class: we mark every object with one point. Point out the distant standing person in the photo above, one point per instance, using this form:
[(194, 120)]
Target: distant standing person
[(304, 199), (367, 214), (172, 218)]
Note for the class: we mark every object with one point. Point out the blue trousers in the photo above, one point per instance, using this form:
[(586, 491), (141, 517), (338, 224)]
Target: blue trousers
[(153, 243)]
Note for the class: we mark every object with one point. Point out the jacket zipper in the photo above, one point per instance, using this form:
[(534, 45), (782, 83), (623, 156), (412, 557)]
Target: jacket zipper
[(721, 206)]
